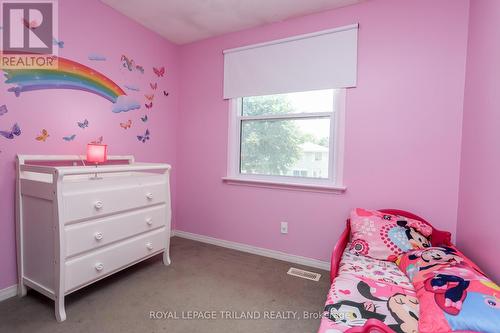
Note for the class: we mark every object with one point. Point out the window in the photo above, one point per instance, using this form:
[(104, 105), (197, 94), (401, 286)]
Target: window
[(291, 139)]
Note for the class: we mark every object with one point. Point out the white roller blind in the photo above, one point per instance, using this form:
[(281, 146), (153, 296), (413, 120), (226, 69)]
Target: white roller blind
[(320, 60)]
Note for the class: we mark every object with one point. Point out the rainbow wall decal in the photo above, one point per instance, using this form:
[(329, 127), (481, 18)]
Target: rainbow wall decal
[(68, 75)]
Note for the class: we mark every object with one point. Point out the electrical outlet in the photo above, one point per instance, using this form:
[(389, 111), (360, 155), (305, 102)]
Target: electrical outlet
[(284, 227)]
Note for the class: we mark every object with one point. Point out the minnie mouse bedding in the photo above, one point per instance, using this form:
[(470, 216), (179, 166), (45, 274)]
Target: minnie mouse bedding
[(454, 294), (385, 236), (369, 289), (434, 289)]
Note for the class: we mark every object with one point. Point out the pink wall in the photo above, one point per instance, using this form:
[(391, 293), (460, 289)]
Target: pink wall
[(403, 128), (478, 227), (89, 28)]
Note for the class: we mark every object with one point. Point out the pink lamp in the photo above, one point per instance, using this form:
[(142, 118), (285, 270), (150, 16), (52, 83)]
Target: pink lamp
[(97, 153)]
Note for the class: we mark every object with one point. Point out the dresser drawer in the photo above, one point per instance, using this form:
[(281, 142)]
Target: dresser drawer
[(94, 265), (84, 236), (102, 200)]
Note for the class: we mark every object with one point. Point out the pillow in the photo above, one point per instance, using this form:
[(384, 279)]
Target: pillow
[(385, 236), (453, 293)]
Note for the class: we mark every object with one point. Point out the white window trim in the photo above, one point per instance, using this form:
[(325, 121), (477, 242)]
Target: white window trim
[(336, 159)]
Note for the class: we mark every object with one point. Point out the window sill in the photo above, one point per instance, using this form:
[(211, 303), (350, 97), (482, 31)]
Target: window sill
[(284, 186)]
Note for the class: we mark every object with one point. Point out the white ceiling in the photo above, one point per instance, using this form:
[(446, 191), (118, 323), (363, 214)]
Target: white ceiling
[(185, 21)]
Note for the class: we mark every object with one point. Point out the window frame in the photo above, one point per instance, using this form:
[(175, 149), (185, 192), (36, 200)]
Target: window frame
[(334, 181)]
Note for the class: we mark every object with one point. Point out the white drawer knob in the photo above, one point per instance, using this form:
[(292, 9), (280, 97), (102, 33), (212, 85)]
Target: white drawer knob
[(149, 246), (98, 205), (149, 220), (99, 266), (149, 196), (98, 236)]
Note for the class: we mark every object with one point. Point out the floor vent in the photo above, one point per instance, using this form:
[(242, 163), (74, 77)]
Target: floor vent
[(303, 274)]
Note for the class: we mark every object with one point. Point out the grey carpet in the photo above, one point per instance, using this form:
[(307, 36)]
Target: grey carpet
[(201, 278)]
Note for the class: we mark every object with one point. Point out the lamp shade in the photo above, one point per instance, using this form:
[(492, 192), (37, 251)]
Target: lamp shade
[(97, 153)]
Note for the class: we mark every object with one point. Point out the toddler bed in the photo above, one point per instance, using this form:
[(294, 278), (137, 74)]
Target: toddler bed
[(394, 272)]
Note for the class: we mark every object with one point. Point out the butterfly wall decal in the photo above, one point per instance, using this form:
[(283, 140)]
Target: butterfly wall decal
[(83, 124), (153, 86), (149, 97), (130, 64), (145, 137), (140, 69), (15, 131), (69, 137), (159, 71), (43, 137), (59, 43), (98, 141), (126, 125), (145, 118), (149, 106), (165, 93), (127, 63), (3, 110)]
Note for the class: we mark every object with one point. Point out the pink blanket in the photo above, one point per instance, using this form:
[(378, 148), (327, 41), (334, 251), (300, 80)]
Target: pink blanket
[(370, 292), (454, 295)]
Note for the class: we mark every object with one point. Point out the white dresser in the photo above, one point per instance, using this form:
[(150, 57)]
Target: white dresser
[(73, 230)]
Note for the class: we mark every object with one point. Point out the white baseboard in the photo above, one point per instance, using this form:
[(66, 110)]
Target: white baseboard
[(8, 292), (255, 250)]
